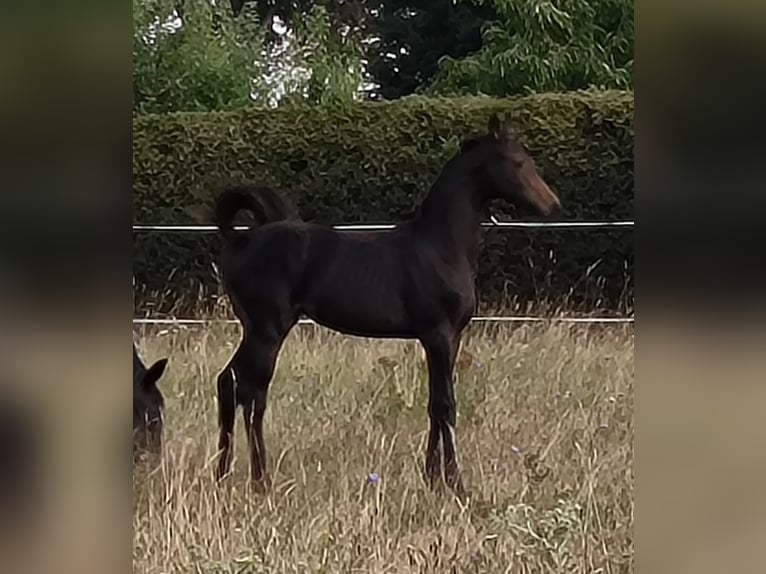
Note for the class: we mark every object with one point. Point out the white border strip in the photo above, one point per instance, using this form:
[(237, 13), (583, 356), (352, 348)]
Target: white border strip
[(386, 226), (522, 319)]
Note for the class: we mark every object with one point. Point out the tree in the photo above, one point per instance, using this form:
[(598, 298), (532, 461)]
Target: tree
[(408, 38), (325, 58), (497, 47), (399, 42), (192, 55), (195, 55), (546, 45)]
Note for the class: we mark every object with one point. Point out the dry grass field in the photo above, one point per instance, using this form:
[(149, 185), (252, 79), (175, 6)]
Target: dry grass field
[(544, 436)]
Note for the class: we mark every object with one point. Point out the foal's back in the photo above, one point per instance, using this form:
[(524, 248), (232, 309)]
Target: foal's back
[(364, 283)]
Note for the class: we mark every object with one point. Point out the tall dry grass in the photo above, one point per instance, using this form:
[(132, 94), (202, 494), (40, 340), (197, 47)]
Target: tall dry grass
[(544, 439)]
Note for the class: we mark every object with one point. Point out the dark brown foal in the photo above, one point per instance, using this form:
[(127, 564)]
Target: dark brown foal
[(413, 282)]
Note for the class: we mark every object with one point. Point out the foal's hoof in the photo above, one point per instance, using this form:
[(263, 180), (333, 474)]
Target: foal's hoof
[(432, 471), (221, 471), (459, 490), (432, 478), (455, 483)]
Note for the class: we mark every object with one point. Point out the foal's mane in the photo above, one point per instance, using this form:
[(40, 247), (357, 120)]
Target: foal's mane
[(466, 145)]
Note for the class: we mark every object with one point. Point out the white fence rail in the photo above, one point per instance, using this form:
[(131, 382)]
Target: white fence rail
[(494, 224), (386, 226), (519, 319)]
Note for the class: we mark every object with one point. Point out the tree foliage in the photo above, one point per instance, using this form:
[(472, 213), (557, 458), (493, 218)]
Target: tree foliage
[(410, 37), (546, 45), (195, 55), (331, 60), (192, 55), (400, 42), (497, 47)]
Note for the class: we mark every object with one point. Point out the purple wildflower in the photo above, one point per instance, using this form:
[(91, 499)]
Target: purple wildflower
[(515, 449), (373, 478)]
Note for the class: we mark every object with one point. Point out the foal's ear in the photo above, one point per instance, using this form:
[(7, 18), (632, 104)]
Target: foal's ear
[(495, 126), (500, 127), (153, 374)]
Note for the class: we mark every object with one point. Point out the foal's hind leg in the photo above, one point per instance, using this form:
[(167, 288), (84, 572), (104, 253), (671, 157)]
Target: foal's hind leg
[(255, 367), (227, 407)]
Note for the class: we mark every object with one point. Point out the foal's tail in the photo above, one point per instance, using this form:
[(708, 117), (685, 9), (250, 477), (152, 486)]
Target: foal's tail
[(265, 205)]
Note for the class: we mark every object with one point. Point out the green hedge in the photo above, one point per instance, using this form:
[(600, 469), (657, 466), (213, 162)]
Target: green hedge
[(374, 162)]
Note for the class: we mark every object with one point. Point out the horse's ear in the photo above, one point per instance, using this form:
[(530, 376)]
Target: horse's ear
[(495, 126), (153, 374), (507, 127)]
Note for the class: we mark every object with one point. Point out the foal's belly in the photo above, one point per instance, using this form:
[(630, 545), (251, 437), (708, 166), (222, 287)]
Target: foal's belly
[(368, 318), (357, 284)]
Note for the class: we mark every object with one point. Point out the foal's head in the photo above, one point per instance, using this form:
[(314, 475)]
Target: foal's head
[(148, 405), (508, 172)]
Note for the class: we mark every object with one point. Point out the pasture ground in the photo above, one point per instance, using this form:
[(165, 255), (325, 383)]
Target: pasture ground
[(545, 441)]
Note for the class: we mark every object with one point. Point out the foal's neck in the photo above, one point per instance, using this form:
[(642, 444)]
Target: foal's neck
[(450, 215)]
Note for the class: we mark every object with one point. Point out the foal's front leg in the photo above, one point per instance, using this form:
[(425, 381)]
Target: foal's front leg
[(433, 455), (452, 474), (440, 353)]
